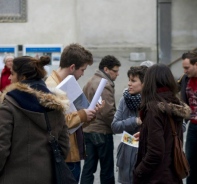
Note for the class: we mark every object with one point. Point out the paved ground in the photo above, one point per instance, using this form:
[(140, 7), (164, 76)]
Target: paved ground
[(120, 85)]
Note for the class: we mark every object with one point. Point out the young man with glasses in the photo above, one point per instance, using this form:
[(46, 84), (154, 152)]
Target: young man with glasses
[(98, 135)]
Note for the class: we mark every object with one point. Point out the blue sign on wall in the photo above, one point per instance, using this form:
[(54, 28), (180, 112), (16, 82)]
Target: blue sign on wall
[(44, 49), (8, 49), (51, 50)]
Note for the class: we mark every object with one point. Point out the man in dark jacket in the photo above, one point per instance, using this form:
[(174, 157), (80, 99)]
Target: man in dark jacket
[(188, 84), (98, 135)]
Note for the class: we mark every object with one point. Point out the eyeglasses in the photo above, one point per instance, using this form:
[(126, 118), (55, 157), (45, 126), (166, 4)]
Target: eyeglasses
[(115, 71)]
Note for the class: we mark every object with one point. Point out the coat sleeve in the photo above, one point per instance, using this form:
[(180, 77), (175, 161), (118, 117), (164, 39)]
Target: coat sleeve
[(75, 118), (120, 122), (6, 128), (155, 145)]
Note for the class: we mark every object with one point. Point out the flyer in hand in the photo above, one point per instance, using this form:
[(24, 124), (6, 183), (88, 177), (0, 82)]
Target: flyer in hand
[(75, 95), (77, 98), (129, 139)]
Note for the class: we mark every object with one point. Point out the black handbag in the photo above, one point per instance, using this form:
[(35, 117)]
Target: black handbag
[(63, 174)]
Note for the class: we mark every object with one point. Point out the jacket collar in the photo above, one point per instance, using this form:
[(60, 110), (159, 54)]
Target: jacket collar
[(102, 74), (182, 110), (35, 99)]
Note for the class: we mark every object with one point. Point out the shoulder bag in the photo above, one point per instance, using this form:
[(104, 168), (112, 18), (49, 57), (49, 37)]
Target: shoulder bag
[(181, 164), (63, 175)]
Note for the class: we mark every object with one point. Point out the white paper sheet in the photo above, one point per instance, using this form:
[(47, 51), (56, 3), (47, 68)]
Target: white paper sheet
[(75, 95), (98, 93)]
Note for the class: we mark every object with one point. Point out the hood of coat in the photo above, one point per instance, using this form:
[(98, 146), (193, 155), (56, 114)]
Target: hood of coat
[(35, 100), (182, 110)]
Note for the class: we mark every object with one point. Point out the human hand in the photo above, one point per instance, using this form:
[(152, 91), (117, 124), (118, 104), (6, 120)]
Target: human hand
[(99, 106), (138, 121), (136, 136), (91, 114)]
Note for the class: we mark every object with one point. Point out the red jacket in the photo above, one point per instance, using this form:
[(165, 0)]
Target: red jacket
[(4, 78)]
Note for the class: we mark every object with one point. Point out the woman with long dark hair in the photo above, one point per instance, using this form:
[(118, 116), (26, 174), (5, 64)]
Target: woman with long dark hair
[(159, 103)]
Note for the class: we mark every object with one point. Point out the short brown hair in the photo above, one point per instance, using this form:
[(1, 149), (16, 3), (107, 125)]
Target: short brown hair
[(137, 71), (75, 54), (191, 55)]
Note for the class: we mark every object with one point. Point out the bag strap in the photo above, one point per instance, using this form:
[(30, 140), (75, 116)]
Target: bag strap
[(48, 125), (47, 121), (174, 133)]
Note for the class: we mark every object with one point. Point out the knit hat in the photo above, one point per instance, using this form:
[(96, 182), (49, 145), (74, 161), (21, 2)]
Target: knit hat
[(147, 63)]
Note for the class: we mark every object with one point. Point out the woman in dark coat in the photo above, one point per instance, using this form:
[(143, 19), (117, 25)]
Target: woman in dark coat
[(159, 102), (25, 154)]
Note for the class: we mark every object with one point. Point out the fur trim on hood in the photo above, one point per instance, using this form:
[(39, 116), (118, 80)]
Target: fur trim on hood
[(56, 101), (182, 110)]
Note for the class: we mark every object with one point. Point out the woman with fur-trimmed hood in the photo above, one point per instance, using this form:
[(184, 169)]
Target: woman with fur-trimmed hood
[(155, 161), (25, 154)]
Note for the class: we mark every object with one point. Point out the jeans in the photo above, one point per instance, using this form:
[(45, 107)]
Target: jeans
[(75, 168), (191, 153), (98, 147)]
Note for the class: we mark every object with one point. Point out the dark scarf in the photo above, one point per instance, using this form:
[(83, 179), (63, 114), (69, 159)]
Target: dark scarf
[(29, 101), (132, 101)]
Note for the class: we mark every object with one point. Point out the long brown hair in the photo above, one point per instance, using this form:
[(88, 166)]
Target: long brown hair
[(157, 76)]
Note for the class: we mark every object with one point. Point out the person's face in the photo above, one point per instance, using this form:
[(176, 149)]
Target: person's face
[(13, 76), (113, 73), (189, 69), (79, 72), (134, 85), (9, 62)]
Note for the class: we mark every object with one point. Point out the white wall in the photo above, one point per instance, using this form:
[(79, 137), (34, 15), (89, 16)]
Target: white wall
[(103, 25), (100, 23), (184, 24), (48, 22), (115, 23)]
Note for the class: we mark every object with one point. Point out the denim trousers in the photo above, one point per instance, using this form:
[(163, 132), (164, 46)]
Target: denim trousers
[(75, 168), (99, 147), (191, 153)]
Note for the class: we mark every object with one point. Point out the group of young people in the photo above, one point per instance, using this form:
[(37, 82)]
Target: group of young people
[(144, 111)]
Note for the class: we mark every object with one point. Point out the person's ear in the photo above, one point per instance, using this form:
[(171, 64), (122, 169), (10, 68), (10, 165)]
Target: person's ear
[(21, 78), (105, 69), (72, 68)]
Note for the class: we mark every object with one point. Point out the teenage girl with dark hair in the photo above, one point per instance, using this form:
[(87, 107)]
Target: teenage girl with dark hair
[(155, 162)]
